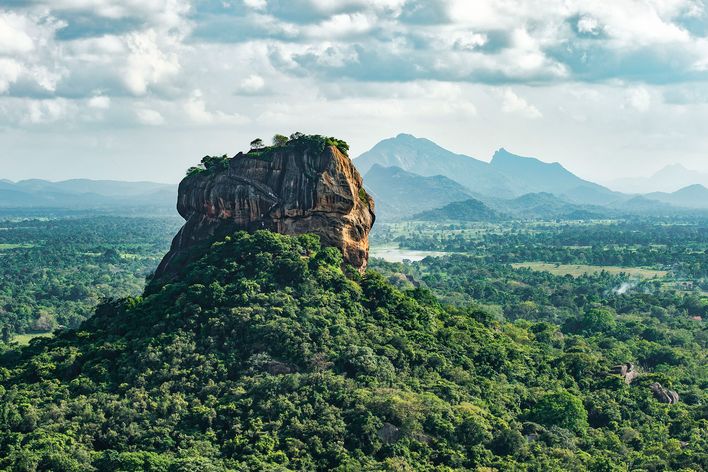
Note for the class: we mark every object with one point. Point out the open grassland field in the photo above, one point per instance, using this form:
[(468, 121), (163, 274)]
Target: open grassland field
[(6, 246), (577, 270), (24, 339)]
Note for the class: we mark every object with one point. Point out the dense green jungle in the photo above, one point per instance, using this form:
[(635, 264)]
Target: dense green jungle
[(266, 354)]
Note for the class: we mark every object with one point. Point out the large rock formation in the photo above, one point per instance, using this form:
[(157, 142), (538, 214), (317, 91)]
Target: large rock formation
[(306, 186)]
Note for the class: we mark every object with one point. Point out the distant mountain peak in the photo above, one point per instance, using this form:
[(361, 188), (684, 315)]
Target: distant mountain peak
[(669, 178), (673, 167), (692, 188), (510, 161), (502, 154), (691, 196), (675, 170), (538, 196)]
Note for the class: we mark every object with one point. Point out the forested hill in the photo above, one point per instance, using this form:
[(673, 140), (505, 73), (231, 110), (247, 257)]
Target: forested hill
[(467, 210), (263, 355)]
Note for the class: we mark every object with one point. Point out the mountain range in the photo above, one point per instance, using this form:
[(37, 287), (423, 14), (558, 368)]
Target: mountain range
[(409, 176), (545, 205), (506, 176), (412, 175), (86, 194), (669, 179)]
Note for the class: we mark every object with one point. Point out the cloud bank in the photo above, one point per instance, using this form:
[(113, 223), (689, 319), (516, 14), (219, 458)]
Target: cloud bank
[(131, 77)]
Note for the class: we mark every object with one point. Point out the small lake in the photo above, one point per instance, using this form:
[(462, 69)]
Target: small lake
[(396, 254)]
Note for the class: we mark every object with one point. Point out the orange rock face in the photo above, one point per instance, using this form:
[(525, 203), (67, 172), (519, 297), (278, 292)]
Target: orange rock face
[(290, 191)]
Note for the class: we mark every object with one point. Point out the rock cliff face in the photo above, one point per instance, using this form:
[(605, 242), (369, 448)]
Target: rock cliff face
[(291, 189)]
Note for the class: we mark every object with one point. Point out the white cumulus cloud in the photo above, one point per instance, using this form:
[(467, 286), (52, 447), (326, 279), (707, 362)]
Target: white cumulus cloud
[(147, 63), (149, 117), (9, 73), (196, 109), (100, 102), (14, 37), (252, 84), (639, 98), (46, 111), (512, 103)]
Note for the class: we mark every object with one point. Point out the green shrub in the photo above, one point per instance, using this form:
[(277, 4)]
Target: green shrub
[(561, 409)]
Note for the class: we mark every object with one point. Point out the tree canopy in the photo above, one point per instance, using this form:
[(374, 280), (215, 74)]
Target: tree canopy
[(263, 355)]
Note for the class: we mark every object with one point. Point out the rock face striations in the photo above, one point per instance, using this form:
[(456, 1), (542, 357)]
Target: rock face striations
[(304, 186)]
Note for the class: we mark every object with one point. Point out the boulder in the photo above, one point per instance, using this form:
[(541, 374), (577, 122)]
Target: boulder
[(389, 433), (663, 394), (626, 371)]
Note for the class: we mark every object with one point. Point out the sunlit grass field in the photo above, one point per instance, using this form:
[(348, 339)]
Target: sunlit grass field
[(577, 270), (5, 246), (24, 339)]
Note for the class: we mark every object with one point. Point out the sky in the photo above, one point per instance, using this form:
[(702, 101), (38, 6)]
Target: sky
[(142, 89)]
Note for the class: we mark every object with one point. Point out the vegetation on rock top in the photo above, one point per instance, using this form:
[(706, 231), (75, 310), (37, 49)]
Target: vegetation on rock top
[(298, 141)]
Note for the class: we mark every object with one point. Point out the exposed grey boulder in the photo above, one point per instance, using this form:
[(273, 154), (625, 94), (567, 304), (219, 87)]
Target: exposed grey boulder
[(663, 394), (389, 433), (626, 371)]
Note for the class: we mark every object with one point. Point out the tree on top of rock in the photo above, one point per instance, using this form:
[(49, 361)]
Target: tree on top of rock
[(280, 140)]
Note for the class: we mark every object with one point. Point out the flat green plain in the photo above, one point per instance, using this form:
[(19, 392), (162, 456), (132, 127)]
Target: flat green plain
[(24, 339), (577, 270)]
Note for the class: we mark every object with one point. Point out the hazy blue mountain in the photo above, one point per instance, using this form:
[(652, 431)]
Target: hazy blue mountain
[(467, 210), (424, 157), (644, 206), (669, 179), (111, 188), (544, 205), (538, 176), (506, 176), (590, 195), (15, 198), (86, 194), (693, 196), (398, 193)]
